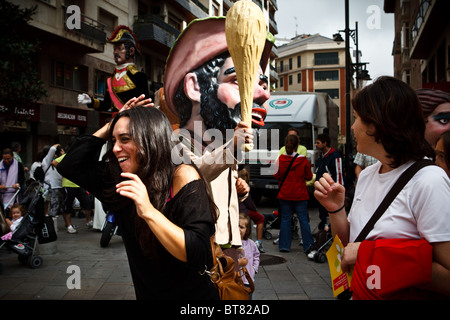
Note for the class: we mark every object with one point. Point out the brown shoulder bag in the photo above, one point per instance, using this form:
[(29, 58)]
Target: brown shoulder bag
[(227, 281)]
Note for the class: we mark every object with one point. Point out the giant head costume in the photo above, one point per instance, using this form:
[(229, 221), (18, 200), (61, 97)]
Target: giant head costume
[(202, 48)]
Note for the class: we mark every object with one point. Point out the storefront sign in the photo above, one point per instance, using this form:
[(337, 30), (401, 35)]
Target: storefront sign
[(30, 113), (75, 117)]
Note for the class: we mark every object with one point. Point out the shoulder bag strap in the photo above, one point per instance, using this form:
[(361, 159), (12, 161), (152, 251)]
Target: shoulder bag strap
[(287, 171), (396, 188)]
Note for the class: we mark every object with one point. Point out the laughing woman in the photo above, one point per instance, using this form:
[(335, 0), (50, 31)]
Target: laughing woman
[(156, 203), (410, 243)]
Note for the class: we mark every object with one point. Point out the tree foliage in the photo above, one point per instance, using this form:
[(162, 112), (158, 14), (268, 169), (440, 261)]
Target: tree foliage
[(19, 79)]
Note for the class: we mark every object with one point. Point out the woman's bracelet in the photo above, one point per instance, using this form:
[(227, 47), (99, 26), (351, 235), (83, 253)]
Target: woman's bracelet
[(331, 212)]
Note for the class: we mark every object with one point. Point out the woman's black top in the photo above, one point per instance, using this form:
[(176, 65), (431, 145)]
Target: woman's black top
[(163, 277)]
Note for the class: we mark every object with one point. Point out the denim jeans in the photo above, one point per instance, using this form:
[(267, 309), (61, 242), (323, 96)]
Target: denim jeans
[(286, 209)]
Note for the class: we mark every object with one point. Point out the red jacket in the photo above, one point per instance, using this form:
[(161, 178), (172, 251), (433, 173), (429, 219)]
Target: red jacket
[(294, 187)]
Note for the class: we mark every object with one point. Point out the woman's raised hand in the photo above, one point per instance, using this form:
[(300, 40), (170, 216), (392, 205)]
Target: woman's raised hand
[(139, 101), (330, 194)]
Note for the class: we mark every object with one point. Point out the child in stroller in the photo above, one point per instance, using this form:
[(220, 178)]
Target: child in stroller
[(23, 239), (17, 212)]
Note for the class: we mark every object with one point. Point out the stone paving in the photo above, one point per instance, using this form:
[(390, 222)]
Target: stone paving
[(105, 274)]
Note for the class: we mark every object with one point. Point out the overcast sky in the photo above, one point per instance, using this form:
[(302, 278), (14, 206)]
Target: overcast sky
[(375, 27)]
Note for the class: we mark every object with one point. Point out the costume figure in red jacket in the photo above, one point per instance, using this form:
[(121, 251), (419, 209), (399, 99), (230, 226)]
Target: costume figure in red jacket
[(127, 81), (293, 195)]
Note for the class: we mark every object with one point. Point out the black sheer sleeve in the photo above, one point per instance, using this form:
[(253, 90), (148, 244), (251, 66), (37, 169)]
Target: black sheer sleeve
[(190, 210), (82, 166)]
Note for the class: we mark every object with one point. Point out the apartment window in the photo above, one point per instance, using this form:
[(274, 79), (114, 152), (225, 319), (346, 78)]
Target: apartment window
[(333, 93), (281, 66), (175, 22), (322, 58), (405, 35), (329, 75), (299, 61), (290, 63), (109, 20), (407, 77), (68, 76), (281, 82), (290, 79), (216, 8), (299, 77)]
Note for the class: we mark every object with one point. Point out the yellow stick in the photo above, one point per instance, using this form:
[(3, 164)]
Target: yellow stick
[(245, 30)]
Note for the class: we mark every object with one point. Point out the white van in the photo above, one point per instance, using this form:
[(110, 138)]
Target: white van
[(310, 112)]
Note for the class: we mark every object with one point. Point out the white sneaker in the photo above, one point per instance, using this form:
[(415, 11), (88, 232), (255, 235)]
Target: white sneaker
[(71, 229), (312, 254), (260, 247)]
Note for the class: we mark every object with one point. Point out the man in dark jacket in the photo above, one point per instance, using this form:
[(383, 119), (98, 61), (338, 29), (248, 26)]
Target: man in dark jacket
[(329, 161)]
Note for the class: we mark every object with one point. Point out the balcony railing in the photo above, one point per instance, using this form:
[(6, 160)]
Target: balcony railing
[(151, 27), (89, 27)]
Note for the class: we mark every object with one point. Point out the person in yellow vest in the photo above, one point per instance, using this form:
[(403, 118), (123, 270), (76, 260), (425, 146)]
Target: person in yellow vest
[(73, 191), (301, 150)]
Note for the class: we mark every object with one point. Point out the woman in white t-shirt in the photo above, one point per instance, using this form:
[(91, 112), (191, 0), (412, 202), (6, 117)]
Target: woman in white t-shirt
[(389, 126)]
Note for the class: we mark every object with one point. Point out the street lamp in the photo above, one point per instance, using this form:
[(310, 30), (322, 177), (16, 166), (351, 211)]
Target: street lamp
[(361, 74), (359, 67)]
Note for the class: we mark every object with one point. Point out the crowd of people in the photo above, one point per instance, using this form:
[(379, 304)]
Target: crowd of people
[(174, 190)]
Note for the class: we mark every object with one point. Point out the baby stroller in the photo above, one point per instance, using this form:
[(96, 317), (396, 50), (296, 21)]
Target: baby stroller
[(24, 238), (272, 221), (321, 246)]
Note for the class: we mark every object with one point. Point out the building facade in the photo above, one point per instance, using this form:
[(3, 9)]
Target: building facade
[(78, 60), (421, 47)]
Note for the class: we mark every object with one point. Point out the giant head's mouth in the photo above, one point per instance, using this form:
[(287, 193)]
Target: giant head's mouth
[(258, 116)]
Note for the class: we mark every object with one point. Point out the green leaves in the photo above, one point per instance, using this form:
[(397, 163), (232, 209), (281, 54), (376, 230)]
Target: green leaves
[(19, 80)]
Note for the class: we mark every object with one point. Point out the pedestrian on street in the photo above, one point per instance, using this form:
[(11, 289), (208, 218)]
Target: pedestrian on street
[(250, 252), (73, 191), (248, 206), (330, 162), (293, 170), (410, 243), (166, 232), (12, 176)]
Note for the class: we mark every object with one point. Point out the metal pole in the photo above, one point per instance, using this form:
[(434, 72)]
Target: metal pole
[(357, 55), (348, 138)]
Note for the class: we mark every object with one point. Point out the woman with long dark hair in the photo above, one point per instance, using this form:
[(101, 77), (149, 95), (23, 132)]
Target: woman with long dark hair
[(164, 212), (410, 244)]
